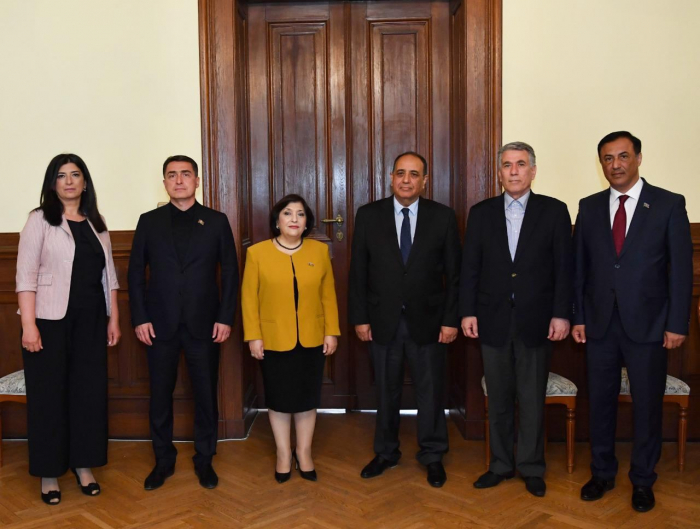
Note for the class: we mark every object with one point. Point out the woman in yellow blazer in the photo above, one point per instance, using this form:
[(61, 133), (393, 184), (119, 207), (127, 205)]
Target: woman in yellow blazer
[(290, 321)]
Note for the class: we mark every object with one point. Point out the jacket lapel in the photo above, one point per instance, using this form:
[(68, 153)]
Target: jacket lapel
[(641, 213), (500, 235), (166, 225), (423, 223), (197, 233), (532, 214), (604, 226), (389, 221)]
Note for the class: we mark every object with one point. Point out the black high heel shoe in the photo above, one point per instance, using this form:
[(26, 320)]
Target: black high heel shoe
[(281, 477), (49, 497), (88, 490), (309, 475)]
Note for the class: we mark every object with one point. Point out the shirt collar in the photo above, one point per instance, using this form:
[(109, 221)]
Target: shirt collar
[(633, 192), (523, 199), (412, 209), (177, 212)]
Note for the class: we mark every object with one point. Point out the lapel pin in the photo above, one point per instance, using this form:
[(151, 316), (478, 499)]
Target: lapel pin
[(200, 221), (311, 264), (646, 205)]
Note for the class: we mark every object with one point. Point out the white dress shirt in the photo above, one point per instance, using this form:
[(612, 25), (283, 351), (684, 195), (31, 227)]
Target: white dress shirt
[(630, 203), (412, 218), (515, 213)]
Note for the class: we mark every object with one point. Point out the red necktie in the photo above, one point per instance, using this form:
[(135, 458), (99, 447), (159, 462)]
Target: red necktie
[(620, 225)]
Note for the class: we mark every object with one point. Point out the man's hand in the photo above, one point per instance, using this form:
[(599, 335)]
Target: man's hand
[(579, 333), (470, 327), (31, 339), (673, 340), (145, 332), (221, 332), (558, 329), (364, 332), (447, 334), (257, 350)]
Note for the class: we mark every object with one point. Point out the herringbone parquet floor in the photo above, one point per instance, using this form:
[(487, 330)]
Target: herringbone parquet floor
[(248, 496)]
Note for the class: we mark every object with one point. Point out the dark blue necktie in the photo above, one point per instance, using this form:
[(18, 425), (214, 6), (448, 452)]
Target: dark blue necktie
[(405, 236)]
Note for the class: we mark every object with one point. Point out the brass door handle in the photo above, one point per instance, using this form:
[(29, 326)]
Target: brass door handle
[(339, 220)]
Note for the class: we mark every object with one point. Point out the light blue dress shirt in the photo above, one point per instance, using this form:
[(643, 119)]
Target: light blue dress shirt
[(412, 217), (515, 213)]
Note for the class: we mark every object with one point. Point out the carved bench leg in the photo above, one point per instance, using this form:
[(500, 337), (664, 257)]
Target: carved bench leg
[(682, 434), (570, 438)]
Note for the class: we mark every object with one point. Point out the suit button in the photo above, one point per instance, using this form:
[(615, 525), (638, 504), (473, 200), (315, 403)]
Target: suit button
[(617, 265), (513, 274)]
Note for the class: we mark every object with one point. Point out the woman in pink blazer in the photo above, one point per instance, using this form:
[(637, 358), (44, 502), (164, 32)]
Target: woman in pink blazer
[(67, 293)]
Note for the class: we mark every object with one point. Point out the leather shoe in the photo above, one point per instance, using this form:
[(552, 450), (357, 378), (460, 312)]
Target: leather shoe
[(642, 498), (207, 477), (596, 488), (157, 477), (377, 467), (436, 474), (535, 486), (491, 479)]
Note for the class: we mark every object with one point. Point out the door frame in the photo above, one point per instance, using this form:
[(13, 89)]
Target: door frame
[(476, 41)]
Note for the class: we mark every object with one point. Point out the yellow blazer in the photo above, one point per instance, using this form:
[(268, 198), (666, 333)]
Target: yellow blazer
[(267, 296)]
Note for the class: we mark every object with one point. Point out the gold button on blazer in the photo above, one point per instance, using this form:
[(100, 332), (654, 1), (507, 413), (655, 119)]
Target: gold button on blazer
[(267, 296)]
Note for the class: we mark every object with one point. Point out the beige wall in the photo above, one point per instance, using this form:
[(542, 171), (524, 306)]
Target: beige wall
[(115, 81), (574, 70)]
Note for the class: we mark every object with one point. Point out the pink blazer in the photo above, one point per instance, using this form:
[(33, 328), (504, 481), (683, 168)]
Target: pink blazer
[(45, 265)]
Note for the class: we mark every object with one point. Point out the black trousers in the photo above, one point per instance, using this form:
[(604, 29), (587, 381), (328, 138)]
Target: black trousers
[(427, 366), (202, 358), (646, 368), (516, 372), (67, 393)]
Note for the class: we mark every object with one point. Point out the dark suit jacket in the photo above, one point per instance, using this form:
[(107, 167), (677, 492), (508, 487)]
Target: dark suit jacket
[(538, 281), (652, 279), (186, 291), (380, 285)]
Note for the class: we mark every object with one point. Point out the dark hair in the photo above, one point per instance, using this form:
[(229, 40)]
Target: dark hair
[(411, 153), (52, 206), (636, 142), (181, 158), (283, 203)]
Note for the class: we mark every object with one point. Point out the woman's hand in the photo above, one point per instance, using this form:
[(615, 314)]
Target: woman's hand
[(257, 350), (330, 344), (114, 333), (31, 339)]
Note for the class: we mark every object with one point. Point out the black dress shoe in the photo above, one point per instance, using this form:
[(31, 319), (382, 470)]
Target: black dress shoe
[(596, 488), (207, 477), (436, 474), (53, 497), (376, 467), (309, 475), (91, 489), (535, 486), (491, 479), (642, 498), (157, 477)]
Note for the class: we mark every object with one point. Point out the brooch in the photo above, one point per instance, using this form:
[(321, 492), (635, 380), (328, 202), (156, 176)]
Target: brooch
[(200, 221), (646, 205), (311, 264)]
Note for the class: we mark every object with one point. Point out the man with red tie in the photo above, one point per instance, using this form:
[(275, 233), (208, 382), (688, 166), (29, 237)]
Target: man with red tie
[(632, 295)]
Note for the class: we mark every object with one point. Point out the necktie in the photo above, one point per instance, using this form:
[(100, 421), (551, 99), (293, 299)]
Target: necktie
[(405, 236), (620, 225)]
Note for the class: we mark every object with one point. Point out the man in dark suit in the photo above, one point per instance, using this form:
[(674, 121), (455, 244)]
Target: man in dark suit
[(182, 244), (633, 288), (515, 296), (403, 293)]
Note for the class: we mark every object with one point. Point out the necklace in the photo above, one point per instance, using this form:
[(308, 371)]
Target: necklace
[(286, 248)]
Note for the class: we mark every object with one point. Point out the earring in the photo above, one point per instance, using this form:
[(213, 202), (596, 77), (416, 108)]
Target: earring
[(84, 189), (277, 226), (306, 228)]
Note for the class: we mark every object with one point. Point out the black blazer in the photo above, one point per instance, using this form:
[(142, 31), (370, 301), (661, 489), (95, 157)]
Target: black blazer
[(187, 291), (652, 279), (427, 286), (538, 281)]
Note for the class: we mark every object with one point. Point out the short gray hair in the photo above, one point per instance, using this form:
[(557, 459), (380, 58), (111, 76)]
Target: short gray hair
[(518, 146)]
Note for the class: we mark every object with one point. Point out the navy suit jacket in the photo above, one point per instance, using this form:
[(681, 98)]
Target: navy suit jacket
[(652, 279), (186, 292), (538, 281), (427, 285)]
